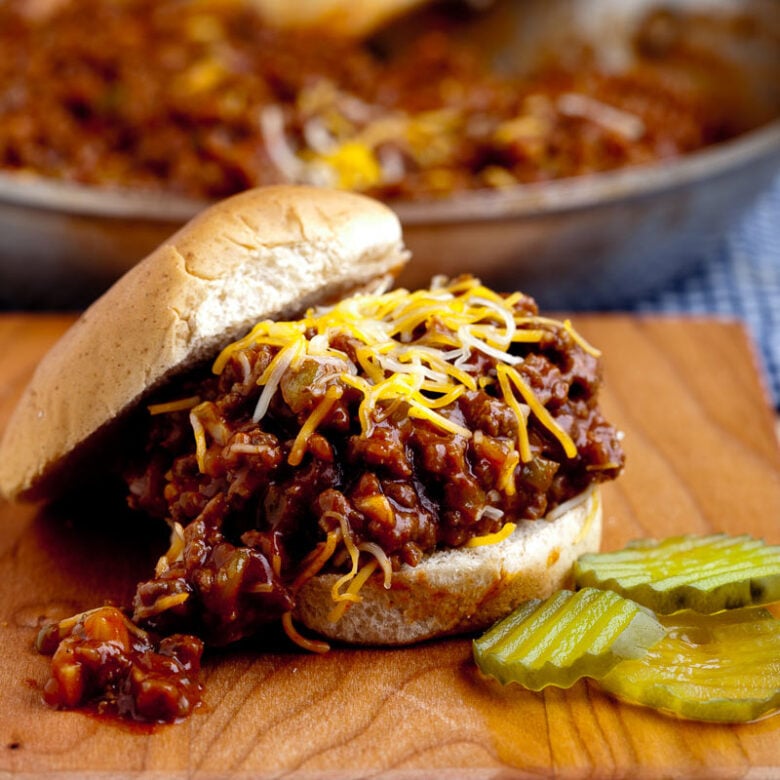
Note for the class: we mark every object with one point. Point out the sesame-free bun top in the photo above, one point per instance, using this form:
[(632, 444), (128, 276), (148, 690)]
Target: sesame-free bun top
[(266, 253)]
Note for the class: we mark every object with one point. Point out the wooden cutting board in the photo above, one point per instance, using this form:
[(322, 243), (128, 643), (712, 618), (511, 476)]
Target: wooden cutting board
[(702, 456)]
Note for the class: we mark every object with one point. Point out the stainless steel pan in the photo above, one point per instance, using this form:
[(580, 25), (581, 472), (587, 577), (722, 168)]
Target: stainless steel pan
[(595, 240)]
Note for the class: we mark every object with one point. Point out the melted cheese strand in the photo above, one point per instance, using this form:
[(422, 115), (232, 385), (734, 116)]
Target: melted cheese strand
[(504, 533), (425, 370), (422, 411), (520, 411), (179, 405), (273, 375), (569, 447), (527, 336), (466, 335), (200, 439), (382, 560), (175, 550), (370, 364), (445, 400), (264, 332), (368, 402), (354, 554), (313, 564), (500, 312), (506, 479), (438, 363), (312, 645), (580, 341), (318, 414), (351, 595), (567, 326)]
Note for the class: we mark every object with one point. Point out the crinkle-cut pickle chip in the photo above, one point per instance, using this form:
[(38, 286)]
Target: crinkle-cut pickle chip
[(704, 573), (566, 637), (723, 668)]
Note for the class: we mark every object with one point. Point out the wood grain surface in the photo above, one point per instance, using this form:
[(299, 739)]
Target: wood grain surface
[(702, 456)]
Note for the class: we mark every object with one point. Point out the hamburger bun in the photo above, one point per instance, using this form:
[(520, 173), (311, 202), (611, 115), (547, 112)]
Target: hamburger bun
[(467, 589), (265, 253)]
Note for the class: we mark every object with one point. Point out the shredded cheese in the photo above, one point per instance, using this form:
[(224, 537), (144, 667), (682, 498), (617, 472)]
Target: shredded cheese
[(506, 479), (427, 373), (175, 550), (168, 602), (161, 605), (320, 556), (569, 447), (418, 352), (312, 645), (332, 394), (506, 531), (354, 554), (351, 594), (382, 560), (200, 439), (180, 405), (271, 377), (520, 410)]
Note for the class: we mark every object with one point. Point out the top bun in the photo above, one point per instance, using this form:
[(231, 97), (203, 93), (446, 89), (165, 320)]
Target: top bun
[(266, 253)]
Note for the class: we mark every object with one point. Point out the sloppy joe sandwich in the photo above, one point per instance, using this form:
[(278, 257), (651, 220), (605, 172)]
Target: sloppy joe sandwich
[(354, 462)]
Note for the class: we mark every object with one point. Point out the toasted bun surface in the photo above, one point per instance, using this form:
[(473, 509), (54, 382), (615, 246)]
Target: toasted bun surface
[(467, 589), (266, 253)]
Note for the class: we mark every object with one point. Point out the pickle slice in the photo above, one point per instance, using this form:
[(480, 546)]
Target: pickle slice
[(567, 637), (704, 573), (723, 667)]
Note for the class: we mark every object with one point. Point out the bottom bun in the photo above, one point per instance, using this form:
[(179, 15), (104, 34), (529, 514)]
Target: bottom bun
[(468, 589)]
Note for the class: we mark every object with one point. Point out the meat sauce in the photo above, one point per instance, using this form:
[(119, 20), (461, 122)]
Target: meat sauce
[(261, 499), (205, 99), (101, 657)]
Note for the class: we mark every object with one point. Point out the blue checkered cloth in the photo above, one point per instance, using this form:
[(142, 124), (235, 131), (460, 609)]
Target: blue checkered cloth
[(739, 278)]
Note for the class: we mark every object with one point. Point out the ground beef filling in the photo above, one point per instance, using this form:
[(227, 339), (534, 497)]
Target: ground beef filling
[(252, 522), (205, 100), (100, 657), (257, 508)]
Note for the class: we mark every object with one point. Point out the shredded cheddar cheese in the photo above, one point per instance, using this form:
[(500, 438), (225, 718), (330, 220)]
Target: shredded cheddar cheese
[(520, 410), (312, 645), (427, 374), (506, 531), (382, 559), (168, 602), (417, 352), (179, 405), (200, 439), (506, 481), (351, 594), (175, 550), (319, 557), (541, 412), (332, 394)]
